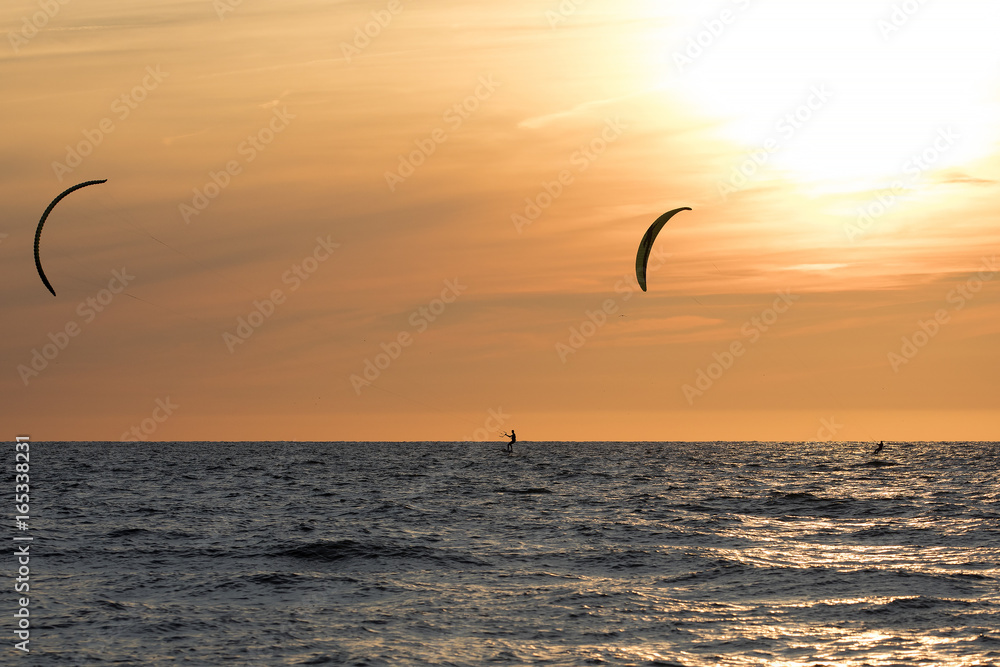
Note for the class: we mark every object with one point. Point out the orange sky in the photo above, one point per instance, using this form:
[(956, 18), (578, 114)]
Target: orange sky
[(462, 190)]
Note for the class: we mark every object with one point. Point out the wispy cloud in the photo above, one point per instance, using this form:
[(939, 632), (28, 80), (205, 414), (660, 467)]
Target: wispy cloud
[(167, 141), (579, 110), (275, 102), (961, 177), (814, 267)]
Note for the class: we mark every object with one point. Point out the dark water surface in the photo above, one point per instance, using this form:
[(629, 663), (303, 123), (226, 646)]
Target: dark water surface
[(563, 554)]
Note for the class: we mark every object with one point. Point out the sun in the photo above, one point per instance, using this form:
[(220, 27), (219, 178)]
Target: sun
[(849, 95)]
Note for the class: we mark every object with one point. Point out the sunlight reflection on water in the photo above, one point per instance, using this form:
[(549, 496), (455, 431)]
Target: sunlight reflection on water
[(568, 554)]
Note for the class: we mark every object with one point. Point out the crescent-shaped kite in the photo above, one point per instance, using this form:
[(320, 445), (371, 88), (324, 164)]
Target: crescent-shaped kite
[(38, 231), (646, 245)]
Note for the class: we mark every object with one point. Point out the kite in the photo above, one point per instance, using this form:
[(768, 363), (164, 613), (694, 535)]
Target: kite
[(646, 245), (38, 232)]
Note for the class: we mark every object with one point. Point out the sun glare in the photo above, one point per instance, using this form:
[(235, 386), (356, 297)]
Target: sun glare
[(849, 95)]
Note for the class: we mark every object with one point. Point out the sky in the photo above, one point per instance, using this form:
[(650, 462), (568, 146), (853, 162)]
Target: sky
[(418, 220)]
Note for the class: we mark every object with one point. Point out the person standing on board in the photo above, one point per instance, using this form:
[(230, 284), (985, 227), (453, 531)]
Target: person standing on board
[(878, 449), (513, 439)]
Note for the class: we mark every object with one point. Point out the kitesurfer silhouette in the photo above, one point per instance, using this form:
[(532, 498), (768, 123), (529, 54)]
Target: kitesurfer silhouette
[(513, 439), (878, 449)]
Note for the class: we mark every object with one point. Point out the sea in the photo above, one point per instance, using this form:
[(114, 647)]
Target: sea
[(562, 553)]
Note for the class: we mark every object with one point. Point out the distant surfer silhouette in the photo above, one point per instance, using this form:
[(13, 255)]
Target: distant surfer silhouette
[(513, 439), (878, 449)]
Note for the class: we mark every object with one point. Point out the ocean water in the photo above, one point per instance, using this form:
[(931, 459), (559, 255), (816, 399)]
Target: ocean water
[(562, 554)]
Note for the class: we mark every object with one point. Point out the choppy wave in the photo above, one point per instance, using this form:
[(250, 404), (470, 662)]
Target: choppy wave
[(350, 549), (566, 554)]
